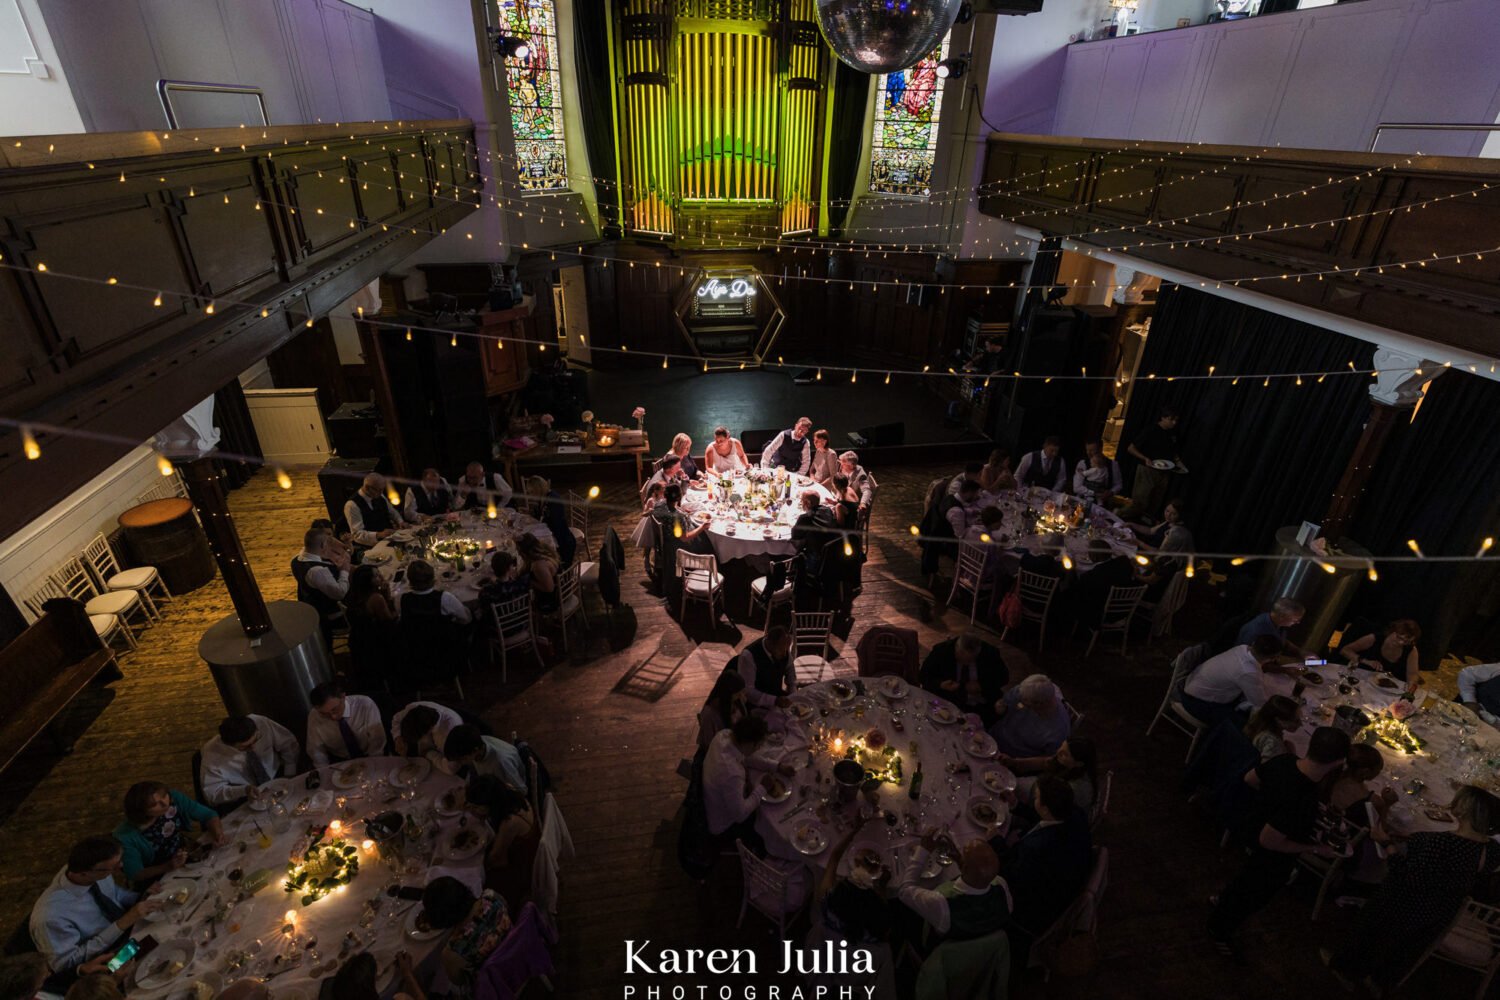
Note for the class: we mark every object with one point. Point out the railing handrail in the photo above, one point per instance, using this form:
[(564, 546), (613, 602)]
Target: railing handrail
[(1429, 127), (164, 90)]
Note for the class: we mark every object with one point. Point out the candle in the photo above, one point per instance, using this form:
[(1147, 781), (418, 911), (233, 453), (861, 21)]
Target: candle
[(291, 916), (368, 845), (838, 743), (335, 827)]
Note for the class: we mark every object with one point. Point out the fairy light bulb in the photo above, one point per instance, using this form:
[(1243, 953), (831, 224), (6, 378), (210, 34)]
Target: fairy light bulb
[(915, 531), (29, 446), (848, 548), (1188, 570), (1067, 561), (677, 529), (1237, 561), (163, 465), (392, 495), (664, 361), (593, 493), (157, 301), (1485, 546), (1328, 568), (209, 310), (283, 480), (984, 536), (1143, 560), (1374, 576), (1416, 549), (453, 340)]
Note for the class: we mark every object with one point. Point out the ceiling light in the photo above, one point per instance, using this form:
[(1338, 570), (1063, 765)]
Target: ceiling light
[(952, 69)]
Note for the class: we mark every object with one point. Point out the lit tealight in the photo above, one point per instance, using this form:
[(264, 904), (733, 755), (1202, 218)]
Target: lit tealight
[(291, 916), (335, 827), (367, 845), (491, 511)]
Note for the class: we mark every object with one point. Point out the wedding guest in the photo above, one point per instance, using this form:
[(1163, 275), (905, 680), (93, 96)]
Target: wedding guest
[(555, 516), (469, 752), (423, 597), (1049, 866), (972, 470), (682, 447), (1270, 723), (1173, 544), (791, 449), (970, 672), (370, 515), (654, 494), (22, 977), (1420, 897), (1392, 649), (96, 986), (1158, 442), (996, 475), (860, 481), (727, 703), (334, 542), (725, 455), (429, 499), (1219, 685), (1076, 762), (153, 838), (987, 531), (342, 726), (729, 796), (1287, 810), (1045, 467), (471, 492), (508, 581), (373, 637), (542, 565), (1087, 594), (358, 979), (975, 905), (1033, 720), (669, 472), (322, 575), (1286, 613), (1097, 475), (422, 728), (476, 925), (518, 834), (853, 911), (82, 916), (961, 510), (249, 751), (814, 528), (1479, 689), (1351, 790), (825, 461), (766, 666)]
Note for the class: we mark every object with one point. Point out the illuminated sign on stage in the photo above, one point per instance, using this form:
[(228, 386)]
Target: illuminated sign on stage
[(724, 297)]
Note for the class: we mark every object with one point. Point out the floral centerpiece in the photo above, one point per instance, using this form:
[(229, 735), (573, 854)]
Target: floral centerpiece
[(639, 414), (871, 751), (322, 869), (456, 550), (758, 475), (1394, 733)]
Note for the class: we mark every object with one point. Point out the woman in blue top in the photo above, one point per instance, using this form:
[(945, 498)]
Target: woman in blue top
[(154, 834)]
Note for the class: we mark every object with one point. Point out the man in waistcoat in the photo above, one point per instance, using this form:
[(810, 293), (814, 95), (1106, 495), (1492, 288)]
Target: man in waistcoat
[(429, 499), (370, 515), (766, 666), (1045, 467), (790, 450), (322, 575)]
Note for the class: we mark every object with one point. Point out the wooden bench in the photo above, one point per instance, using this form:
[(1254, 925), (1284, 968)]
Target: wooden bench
[(44, 669)]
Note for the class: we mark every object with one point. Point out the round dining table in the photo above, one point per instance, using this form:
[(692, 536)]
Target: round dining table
[(758, 524), (230, 916), (1049, 520), (963, 790), (476, 532), (1456, 747)]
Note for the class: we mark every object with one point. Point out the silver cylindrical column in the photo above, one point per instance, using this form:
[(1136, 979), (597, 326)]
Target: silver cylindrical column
[(272, 674), (1325, 595)]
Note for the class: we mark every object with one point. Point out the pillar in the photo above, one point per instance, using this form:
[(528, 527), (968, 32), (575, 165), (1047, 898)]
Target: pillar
[(207, 494)]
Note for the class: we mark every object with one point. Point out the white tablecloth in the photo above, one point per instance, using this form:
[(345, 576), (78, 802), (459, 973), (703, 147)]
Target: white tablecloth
[(1459, 750), (250, 936), (938, 748), (500, 533), (744, 536), (1017, 535)]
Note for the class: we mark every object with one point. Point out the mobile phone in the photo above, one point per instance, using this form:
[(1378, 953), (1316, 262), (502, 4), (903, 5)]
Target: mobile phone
[(131, 949), (400, 575), (1313, 661)]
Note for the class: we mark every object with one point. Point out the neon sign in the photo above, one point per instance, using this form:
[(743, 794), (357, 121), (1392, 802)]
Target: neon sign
[(716, 290)]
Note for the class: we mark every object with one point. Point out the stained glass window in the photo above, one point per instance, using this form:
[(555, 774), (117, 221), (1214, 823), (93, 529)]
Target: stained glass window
[(533, 88), (904, 141)]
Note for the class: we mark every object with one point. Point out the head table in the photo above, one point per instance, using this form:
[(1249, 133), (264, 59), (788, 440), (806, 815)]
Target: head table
[(750, 514), (893, 729), (1456, 749), (1036, 516), (460, 556), (223, 928)]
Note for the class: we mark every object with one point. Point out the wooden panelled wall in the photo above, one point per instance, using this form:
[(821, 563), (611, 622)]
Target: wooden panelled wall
[(227, 224), (1234, 214), (893, 324)]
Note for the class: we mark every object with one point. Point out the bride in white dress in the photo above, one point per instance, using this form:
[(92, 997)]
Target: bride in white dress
[(724, 455)]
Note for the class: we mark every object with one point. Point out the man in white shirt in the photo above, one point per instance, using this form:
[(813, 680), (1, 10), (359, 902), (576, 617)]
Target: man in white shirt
[(1220, 684), (249, 751), (342, 726), (769, 669), (729, 796), (976, 905), (467, 752), (422, 597), (1097, 475), (1044, 468), (963, 508), (791, 449), (422, 728), (83, 914), (322, 574), (370, 515), (1479, 688), (972, 470), (429, 499), (471, 492)]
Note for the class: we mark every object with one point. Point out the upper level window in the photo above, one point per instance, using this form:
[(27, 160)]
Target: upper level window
[(534, 90), (903, 143)]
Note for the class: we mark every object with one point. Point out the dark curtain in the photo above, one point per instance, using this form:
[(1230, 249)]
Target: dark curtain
[(1438, 481), (591, 67), (236, 436), (1260, 457), (851, 91)]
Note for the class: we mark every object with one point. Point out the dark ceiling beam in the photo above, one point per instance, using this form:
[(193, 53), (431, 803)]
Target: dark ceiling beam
[(266, 227)]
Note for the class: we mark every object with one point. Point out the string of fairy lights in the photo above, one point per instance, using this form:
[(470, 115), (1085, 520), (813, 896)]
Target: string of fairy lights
[(1330, 563)]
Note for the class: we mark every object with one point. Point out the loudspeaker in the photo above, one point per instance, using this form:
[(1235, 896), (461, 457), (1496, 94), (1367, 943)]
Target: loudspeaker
[(340, 479), (884, 435)]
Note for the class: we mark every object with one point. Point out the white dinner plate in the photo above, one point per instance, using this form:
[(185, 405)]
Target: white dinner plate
[(784, 785), (413, 772), (165, 963), (945, 715), (376, 558), (801, 710), (893, 687), (351, 774), (980, 744), (999, 780), (809, 839), (474, 842), (841, 691), (187, 989), (447, 804), (409, 926), (1164, 464), (986, 813), (191, 890)]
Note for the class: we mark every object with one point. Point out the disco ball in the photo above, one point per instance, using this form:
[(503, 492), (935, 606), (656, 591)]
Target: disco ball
[(883, 36)]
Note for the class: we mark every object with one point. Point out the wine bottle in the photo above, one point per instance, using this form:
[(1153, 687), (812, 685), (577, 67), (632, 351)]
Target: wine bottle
[(915, 792)]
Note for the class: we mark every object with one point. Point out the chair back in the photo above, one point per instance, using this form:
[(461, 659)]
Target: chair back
[(695, 562), (767, 886), (885, 649), (48, 590), (1087, 918), (1120, 605), (1035, 591), (101, 558), (522, 955), (167, 488), (972, 558), (779, 576), (567, 584), (578, 513), (1075, 717), (554, 847), (810, 631), (431, 646), (75, 580), (1474, 938), (1100, 812), (934, 494), (512, 618), (535, 489), (976, 969), (1185, 663)]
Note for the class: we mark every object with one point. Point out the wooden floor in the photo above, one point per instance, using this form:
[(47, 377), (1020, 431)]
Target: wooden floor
[(613, 722)]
